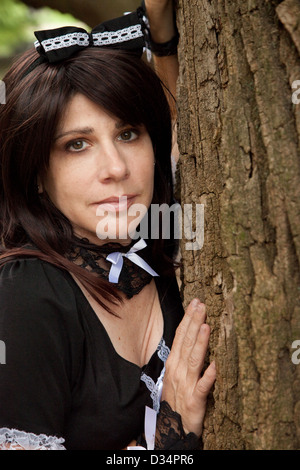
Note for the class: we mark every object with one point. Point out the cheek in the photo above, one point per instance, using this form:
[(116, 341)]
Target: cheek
[(146, 179), (62, 185), (146, 168)]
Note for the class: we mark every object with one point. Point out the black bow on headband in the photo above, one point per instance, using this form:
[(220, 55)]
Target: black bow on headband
[(126, 32)]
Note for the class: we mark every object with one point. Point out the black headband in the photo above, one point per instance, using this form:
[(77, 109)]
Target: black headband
[(128, 32)]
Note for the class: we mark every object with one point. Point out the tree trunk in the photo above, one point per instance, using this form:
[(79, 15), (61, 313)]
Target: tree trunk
[(239, 131)]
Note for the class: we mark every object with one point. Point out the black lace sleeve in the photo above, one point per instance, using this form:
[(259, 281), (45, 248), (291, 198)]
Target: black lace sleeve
[(170, 434)]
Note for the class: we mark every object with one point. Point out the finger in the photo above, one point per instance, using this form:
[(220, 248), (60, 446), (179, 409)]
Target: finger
[(206, 382), (182, 329), (193, 331), (197, 355)]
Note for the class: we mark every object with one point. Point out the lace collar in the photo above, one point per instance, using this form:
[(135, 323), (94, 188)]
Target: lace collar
[(132, 277)]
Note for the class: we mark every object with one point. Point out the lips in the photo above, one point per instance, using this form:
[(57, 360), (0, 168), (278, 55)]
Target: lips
[(117, 203)]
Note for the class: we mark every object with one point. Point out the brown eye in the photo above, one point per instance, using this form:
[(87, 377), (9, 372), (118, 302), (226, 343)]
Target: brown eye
[(127, 136), (77, 146)]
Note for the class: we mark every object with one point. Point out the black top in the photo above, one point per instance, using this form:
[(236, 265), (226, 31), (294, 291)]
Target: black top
[(62, 375)]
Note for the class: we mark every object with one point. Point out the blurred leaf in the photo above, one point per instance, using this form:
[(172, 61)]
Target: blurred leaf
[(15, 18), (18, 23)]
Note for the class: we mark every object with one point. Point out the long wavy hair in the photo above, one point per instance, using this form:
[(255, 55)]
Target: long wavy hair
[(118, 81)]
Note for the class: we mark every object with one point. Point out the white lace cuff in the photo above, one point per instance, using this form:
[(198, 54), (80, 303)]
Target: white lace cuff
[(13, 439)]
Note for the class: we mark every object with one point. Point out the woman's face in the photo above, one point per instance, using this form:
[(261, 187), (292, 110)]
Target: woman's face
[(101, 170)]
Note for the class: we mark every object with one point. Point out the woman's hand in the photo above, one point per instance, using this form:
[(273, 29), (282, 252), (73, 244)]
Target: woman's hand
[(184, 388)]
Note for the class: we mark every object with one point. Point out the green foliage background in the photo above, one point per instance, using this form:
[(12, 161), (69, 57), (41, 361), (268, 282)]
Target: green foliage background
[(15, 22), (18, 23)]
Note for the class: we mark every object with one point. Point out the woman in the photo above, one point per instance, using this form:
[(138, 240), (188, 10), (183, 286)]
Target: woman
[(91, 317)]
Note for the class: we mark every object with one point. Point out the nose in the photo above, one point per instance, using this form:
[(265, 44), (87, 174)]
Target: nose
[(113, 165)]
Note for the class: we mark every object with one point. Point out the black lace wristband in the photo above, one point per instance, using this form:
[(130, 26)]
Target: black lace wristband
[(164, 49), (159, 49), (170, 434)]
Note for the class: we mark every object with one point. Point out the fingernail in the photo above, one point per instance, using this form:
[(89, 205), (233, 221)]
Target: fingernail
[(196, 303)]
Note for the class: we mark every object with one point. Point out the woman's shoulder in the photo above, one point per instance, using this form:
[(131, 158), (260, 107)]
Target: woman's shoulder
[(44, 343), (32, 271), (31, 283)]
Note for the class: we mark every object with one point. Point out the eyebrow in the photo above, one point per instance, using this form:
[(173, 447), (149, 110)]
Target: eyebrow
[(84, 130), (119, 124), (87, 130)]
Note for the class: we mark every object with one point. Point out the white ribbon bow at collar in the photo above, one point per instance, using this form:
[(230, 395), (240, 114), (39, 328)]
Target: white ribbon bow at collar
[(116, 258)]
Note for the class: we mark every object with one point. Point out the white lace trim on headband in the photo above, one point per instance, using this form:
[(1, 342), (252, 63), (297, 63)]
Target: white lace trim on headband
[(13, 439), (100, 39)]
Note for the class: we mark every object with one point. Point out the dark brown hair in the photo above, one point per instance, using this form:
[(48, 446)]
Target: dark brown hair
[(118, 81)]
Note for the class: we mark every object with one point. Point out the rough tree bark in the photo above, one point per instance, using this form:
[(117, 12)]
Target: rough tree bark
[(239, 139)]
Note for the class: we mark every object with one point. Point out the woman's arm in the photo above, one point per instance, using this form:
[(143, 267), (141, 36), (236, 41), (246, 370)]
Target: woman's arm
[(185, 389), (160, 14), (42, 338)]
